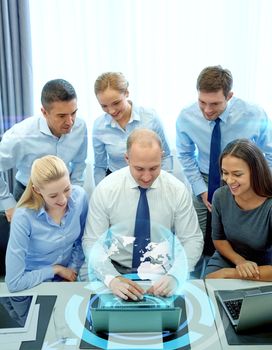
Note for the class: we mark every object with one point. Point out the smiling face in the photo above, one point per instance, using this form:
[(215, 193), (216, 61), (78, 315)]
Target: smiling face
[(144, 163), (60, 116), (56, 193), (115, 103), (236, 174), (212, 104)]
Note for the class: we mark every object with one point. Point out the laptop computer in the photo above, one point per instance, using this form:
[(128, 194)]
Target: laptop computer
[(247, 308), (16, 312), (109, 313)]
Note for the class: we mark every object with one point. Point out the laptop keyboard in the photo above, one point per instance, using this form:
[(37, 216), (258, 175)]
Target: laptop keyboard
[(234, 307), (137, 305)]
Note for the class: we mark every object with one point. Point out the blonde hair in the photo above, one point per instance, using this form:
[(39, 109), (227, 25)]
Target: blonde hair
[(112, 80), (43, 171)]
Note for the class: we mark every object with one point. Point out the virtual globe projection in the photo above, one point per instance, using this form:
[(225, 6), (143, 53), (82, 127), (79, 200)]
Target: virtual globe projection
[(162, 254)]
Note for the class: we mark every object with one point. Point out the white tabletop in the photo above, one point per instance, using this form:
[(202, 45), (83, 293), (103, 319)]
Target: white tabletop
[(67, 320), (230, 284)]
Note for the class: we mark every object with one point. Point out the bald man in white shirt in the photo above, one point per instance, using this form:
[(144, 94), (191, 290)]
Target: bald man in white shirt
[(114, 201)]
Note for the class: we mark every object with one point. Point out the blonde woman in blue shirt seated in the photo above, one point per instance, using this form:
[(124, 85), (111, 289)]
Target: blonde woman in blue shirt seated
[(111, 129), (46, 229)]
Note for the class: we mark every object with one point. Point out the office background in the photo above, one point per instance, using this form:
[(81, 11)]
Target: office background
[(160, 46)]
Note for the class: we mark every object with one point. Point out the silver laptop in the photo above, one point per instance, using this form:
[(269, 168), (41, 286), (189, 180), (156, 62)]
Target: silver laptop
[(247, 308), (152, 314)]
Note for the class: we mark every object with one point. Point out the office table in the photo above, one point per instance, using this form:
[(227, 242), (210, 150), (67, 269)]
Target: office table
[(230, 284), (67, 320)]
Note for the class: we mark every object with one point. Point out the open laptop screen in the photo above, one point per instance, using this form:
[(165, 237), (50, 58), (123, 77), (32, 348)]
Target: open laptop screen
[(247, 308), (16, 313)]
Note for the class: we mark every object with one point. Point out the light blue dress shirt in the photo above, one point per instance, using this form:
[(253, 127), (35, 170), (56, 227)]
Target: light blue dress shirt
[(37, 243), (109, 140), (32, 139), (193, 136)]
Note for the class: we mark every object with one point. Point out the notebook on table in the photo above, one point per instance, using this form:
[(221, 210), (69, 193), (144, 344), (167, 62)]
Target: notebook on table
[(247, 308)]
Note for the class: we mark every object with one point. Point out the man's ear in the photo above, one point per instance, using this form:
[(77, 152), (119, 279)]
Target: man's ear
[(162, 154), (126, 158), (230, 94), (44, 112)]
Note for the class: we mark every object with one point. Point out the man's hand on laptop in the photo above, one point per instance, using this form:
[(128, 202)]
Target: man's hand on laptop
[(126, 288), (165, 286)]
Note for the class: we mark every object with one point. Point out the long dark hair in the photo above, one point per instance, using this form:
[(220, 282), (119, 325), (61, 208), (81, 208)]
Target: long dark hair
[(260, 174)]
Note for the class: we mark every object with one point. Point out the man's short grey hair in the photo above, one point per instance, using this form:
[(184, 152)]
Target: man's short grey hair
[(57, 90)]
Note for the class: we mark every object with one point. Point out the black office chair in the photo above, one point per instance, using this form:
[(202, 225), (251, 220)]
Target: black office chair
[(209, 248), (4, 237)]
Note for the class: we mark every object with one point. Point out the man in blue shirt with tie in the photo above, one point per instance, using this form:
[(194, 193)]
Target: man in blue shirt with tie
[(195, 126), (56, 132)]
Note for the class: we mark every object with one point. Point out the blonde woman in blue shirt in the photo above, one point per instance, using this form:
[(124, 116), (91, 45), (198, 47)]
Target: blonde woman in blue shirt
[(110, 130), (47, 227)]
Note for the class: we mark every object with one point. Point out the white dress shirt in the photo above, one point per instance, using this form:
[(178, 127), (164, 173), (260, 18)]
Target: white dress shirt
[(114, 204)]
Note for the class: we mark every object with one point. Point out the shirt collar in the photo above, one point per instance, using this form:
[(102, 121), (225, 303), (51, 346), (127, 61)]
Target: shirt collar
[(134, 113), (224, 116), (71, 200), (41, 212), (44, 127)]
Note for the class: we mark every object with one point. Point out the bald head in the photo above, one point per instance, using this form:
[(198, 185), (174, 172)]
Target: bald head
[(144, 138)]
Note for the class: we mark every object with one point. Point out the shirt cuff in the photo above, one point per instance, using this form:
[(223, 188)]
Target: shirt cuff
[(76, 267), (48, 273), (199, 187), (108, 280)]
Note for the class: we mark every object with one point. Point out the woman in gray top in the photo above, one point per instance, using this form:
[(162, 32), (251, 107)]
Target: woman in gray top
[(242, 215)]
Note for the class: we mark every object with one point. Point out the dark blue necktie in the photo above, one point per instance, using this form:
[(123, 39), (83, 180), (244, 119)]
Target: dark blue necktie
[(214, 171), (142, 229)]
